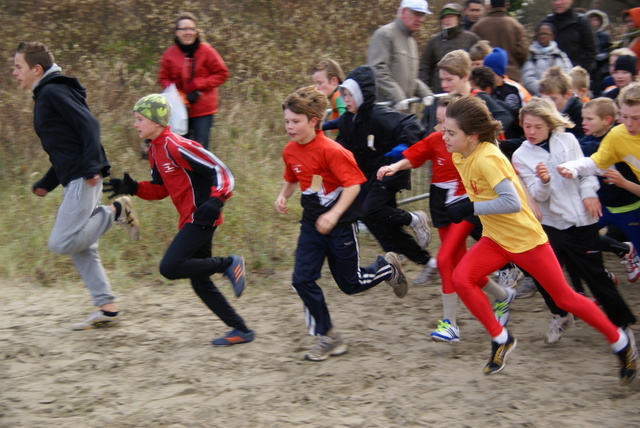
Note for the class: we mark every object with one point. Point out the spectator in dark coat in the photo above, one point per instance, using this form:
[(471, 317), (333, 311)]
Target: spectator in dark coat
[(452, 37), (574, 34), (599, 22), (503, 31)]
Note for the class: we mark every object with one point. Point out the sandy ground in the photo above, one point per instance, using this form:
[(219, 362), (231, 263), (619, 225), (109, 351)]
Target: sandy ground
[(157, 368)]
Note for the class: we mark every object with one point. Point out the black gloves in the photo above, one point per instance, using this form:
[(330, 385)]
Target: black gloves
[(459, 212), (208, 212), (192, 97), (124, 186)]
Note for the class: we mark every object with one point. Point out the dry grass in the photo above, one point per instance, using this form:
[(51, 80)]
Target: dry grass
[(114, 47)]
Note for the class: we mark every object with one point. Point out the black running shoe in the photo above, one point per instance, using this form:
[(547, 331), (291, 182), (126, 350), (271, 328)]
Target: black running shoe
[(499, 354)]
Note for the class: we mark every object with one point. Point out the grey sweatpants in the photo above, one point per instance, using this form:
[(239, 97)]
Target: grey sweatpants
[(81, 220)]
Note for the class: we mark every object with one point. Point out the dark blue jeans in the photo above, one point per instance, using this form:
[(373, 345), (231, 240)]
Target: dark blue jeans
[(200, 129)]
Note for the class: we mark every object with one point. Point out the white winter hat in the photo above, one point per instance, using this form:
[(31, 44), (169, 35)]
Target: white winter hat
[(416, 5)]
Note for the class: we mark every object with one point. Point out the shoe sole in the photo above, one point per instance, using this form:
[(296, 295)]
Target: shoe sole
[(232, 343), (239, 273), (133, 223), (340, 350), (95, 326), (439, 339), (504, 360)]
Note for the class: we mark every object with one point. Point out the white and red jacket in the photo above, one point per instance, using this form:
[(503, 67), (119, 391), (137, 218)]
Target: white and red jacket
[(190, 175)]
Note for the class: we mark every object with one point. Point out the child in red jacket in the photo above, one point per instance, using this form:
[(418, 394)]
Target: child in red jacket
[(199, 184)]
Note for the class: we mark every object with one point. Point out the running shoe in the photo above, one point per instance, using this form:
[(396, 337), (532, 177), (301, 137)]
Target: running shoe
[(235, 273), (428, 273), (96, 320), (446, 332), (234, 337), (501, 308), (558, 326), (499, 354), (397, 280), (421, 229), (128, 218), (326, 347), (631, 263)]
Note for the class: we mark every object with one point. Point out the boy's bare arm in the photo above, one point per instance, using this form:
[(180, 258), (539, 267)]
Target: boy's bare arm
[(613, 176), (285, 193)]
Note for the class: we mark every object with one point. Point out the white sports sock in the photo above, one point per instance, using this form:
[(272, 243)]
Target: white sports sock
[(502, 337), (622, 341), (414, 219), (449, 307)]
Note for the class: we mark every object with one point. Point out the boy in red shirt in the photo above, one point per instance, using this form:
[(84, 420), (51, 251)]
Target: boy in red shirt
[(329, 179)]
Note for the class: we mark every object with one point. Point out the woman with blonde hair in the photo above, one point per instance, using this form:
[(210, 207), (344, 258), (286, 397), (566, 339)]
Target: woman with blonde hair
[(570, 211)]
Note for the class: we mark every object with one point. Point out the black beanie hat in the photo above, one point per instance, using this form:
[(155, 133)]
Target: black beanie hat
[(627, 63)]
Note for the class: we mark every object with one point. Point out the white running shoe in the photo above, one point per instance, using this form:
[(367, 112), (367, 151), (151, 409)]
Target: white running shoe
[(501, 308), (446, 332), (428, 273), (631, 263), (508, 278), (558, 326), (96, 320), (326, 347), (420, 227)]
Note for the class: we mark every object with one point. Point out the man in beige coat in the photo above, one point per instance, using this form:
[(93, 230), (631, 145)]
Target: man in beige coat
[(393, 52)]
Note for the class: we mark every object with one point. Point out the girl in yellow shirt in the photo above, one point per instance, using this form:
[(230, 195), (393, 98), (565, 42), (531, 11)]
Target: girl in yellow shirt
[(511, 233)]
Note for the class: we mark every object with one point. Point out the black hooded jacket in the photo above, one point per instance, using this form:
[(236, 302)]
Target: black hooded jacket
[(389, 128), (69, 133)]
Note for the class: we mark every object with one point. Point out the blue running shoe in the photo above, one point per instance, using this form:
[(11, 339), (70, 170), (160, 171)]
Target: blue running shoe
[(233, 337), (235, 273)]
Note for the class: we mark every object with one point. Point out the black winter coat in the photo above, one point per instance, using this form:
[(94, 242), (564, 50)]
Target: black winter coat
[(69, 133)]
